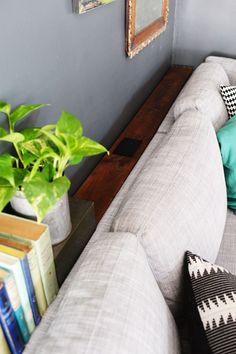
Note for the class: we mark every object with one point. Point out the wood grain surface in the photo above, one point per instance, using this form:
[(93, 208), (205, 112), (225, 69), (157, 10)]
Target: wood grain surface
[(105, 181)]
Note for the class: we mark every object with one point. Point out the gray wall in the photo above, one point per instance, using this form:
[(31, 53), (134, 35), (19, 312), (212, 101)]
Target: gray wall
[(204, 27), (77, 63)]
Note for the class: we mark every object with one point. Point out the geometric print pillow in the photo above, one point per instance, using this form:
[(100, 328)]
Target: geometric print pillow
[(214, 290), (228, 94)]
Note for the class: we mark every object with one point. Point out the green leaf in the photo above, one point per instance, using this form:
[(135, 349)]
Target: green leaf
[(49, 127), (22, 111), (13, 138), (68, 124), (30, 133), (27, 157), (3, 132), (46, 154), (34, 146), (43, 195), (48, 171), (4, 183), (49, 152), (5, 107), (19, 176), (6, 194), (88, 147), (75, 159), (6, 170), (56, 141), (72, 143)]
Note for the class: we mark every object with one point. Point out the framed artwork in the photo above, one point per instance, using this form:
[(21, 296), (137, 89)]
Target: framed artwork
[(82, 6), (146, 19)]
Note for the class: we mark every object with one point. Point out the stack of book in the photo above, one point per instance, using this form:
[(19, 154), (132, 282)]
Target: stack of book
[(28, 282)]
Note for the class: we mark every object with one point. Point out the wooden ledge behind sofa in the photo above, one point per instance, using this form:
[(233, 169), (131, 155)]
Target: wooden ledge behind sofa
[(106, 179)]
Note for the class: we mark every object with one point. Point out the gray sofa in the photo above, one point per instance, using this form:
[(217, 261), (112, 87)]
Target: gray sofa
[(126, 292)]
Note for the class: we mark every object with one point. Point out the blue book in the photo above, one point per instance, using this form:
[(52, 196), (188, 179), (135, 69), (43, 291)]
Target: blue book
[(22, 257), (9, 324), (30, 290), (10, 285)]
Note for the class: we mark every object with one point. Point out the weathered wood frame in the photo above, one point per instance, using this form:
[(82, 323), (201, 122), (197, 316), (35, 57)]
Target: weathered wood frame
[(137, 41)]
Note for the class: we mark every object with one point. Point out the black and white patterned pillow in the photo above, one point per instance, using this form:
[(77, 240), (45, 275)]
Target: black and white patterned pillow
[(214, 290), (228, 94)]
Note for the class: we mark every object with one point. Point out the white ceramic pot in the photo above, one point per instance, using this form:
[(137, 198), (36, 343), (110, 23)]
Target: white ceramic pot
[(21, 205), (58, 218)]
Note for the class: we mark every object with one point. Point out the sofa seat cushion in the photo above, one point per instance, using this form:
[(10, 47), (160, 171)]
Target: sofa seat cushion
[(227, 252), (201, 93), (178, 202), (228, 64), (112, 305)]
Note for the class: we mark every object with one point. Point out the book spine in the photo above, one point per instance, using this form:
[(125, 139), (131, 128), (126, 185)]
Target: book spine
[(37, 281), (44, 253), (21, 287), (34, 270), (9, 324), (30, 290), (13, 294), (3, 343)]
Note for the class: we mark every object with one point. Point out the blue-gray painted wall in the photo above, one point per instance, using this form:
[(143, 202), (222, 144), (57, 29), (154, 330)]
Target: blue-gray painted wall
[(77, 63), (202, 28)]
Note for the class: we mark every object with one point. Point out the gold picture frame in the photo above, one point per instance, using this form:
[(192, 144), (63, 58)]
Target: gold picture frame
[(136, 41), (83, 6)]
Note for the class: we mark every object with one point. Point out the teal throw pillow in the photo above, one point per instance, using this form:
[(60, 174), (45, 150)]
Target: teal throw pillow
[(227, 141)]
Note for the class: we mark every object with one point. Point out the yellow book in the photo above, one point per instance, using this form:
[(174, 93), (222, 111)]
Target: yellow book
[(25, 246), (39, 237), (3, 343)]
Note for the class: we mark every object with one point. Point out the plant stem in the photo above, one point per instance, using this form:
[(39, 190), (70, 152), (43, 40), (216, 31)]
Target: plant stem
[(36, 166), (11, 130), (62, 166), (19, 154)]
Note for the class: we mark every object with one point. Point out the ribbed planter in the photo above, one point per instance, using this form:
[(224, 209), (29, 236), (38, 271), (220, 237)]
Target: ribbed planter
[(58, 218)]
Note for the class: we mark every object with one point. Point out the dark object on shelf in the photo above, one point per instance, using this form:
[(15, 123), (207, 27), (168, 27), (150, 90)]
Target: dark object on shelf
[(127, 147)]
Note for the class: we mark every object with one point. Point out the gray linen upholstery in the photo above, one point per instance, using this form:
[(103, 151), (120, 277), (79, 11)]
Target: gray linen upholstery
[(167, 122), (105, 223), (113, 305), (227, 253), (178, 202), (201, 93), (228, 64)]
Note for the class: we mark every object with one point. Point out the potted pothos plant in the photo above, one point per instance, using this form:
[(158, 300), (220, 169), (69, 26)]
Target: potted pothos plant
[(33, 176)]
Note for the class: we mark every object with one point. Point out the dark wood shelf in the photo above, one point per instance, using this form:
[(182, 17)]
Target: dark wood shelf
[(67, 252), (108, 176)]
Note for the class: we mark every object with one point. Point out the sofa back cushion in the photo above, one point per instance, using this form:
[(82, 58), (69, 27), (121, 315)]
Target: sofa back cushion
[(178, 202), (228, 64), (112, 305), (202, 93)]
